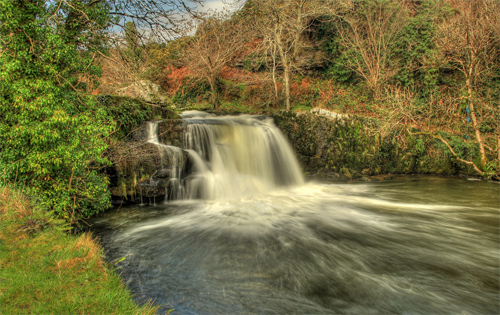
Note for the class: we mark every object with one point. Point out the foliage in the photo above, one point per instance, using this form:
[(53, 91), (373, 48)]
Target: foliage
[(47, 271), (163, 60), (416, 48), (192, 92), (367, 34), (217, 42), (335, 61), (133, 51), (51, 132), (470, 43), (126, 112)]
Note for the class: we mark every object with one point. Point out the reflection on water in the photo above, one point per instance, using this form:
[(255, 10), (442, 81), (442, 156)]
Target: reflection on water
[(410, 245)]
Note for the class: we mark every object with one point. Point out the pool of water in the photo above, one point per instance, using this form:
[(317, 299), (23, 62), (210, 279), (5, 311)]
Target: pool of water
[(410, 245)]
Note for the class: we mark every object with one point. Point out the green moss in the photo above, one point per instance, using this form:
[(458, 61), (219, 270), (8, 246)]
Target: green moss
[(123, 190), (356, 145), (129, 113), (345, 173)]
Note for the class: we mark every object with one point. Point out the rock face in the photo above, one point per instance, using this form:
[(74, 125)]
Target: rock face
[(145, 90), (143, 170), (327, 113), (340, 147)]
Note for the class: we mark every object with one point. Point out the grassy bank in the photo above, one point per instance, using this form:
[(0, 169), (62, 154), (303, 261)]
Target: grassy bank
[(44, 270)]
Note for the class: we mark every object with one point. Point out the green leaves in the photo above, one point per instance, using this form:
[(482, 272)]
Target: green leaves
[(52, 132)]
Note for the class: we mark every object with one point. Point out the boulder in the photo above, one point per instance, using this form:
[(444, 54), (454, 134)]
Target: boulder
[(144, 89), (142, 169)]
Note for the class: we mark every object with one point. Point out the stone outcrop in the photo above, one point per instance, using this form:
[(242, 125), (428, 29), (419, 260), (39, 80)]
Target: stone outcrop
[(340, 147), (145, 90), (143, 170), (327, 113)]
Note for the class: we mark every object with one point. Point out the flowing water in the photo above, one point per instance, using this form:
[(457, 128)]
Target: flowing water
[(255, 239)]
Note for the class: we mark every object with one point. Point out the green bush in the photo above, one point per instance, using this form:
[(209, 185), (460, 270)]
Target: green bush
[(128, 113), (52, 135)]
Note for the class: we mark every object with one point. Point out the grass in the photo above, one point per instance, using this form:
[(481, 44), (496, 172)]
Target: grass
[(44, 270)]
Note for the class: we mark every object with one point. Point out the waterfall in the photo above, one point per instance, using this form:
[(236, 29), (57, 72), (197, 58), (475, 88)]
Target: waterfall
[(172, 161), (229, 157)]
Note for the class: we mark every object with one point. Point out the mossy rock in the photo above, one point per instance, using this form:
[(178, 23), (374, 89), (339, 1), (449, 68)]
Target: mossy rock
[(355, 144)]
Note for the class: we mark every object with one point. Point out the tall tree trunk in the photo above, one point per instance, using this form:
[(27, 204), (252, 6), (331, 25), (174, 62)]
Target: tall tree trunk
[(498, 148), (285, 60), (474, 119), (275, 82), (287, 85)]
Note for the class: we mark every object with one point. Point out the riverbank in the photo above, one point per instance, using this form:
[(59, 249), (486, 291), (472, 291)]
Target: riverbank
[(45, 270)]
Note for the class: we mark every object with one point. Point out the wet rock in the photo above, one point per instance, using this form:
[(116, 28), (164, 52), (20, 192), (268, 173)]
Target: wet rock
[(162, 174), (141, 169), (152, 188), (171, 131)]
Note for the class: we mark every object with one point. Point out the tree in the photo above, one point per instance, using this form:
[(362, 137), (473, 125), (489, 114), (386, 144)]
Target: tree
[(216, 43), (283, 24), (368, 32), (163, 19), (470, 43), (415, 46), (52, 133)]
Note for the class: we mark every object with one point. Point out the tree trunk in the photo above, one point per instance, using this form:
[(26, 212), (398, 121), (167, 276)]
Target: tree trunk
[(474, 120), (275, 82), (213, 90), (285, 60), (498, 149), (287, 86)]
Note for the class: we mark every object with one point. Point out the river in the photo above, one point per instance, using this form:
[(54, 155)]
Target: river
[(412, 245), (243, 233)]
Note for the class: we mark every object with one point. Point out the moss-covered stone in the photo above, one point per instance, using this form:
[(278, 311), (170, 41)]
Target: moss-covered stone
[(142, 169), (171, 131), (353, 147)]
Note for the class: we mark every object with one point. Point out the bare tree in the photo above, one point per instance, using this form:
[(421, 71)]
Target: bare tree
[(162, 19), (216, 43), (470, 42), (283, 24), (368, 31)]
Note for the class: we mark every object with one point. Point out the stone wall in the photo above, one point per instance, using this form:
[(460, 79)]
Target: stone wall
[(341, 147)]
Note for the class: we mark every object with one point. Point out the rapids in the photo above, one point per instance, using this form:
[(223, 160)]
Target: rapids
[(248, 236)]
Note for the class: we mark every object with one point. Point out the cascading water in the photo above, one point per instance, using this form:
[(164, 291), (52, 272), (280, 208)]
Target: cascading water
[(230, 156), (236, 156), (256, 239), (171, 160)]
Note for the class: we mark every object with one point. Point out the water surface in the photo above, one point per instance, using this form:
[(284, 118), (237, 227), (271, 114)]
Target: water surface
[(412, 245)]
